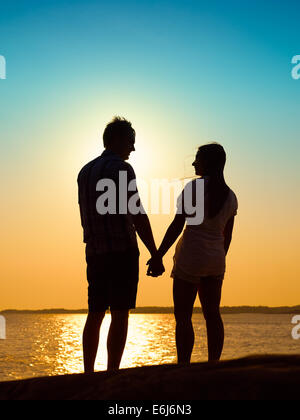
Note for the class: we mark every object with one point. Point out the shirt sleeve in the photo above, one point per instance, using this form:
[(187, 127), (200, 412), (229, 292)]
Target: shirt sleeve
[(189, 193), (134, 199), (236, 206), (79, 189), (130, 173), (131, 179), (180, 203), (126, 178)]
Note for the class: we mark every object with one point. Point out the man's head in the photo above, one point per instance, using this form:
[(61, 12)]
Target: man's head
[(119, 137)]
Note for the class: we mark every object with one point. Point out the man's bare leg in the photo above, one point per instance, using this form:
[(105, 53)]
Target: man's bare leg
[(91, 336), (117, 337)]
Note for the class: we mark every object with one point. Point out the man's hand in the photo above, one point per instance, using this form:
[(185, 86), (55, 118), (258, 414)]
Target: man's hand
[(156, 267)]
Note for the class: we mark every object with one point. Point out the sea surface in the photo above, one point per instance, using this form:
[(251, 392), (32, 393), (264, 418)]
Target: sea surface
[(43, 345)]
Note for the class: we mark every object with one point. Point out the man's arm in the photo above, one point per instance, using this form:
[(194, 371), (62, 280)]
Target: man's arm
[(228, 234), (140, 220), (143, 228)]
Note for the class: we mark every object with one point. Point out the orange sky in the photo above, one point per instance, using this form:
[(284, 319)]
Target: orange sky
[(42, 254)]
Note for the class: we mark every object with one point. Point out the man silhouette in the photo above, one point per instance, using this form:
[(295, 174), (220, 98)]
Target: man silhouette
[(112, 252)]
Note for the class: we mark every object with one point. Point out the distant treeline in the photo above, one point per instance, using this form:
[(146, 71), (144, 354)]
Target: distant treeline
[(169, 310)]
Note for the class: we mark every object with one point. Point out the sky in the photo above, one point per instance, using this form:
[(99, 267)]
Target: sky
[(184, 73)]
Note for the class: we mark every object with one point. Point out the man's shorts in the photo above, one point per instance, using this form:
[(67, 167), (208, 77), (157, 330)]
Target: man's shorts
[(113, 280)]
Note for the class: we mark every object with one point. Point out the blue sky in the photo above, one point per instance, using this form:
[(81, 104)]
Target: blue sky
[(231, 58)]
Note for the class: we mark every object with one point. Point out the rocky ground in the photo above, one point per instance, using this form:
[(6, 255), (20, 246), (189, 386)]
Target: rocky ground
[(252, 378)]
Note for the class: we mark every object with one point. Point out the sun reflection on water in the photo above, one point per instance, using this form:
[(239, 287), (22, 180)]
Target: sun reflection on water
[(148, 343), (47, 345), (39, 345)]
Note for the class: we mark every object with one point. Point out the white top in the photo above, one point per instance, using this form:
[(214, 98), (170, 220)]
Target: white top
[(200, 251)]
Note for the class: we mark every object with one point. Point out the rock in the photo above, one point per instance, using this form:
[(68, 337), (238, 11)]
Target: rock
[(267, 377)]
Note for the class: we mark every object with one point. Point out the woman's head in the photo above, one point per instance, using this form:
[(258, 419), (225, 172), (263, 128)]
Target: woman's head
[(210, 159)]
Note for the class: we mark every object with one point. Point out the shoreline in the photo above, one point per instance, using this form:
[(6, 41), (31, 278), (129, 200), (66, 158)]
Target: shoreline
[(281, 310)]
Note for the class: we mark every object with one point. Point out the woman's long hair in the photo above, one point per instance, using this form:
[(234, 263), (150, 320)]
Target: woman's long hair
[(213, 158)]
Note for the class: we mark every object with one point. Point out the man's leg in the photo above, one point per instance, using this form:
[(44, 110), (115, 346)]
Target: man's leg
[(117, 337), (184, 298), (91, 335)]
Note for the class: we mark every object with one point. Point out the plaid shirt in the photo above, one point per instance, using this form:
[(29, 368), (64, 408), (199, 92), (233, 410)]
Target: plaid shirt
[(109, 232)]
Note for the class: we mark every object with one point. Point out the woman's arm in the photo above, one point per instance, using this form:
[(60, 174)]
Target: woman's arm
[(171, 235), (173, 232), (228, 234)]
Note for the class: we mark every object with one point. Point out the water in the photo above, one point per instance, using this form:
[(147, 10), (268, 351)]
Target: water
[(41, 345)]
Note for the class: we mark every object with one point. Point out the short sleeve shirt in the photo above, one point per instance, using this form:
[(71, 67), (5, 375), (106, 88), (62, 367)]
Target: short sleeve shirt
[(103, 190)]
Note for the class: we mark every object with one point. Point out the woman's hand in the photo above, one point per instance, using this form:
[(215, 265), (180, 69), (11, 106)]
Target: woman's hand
[(156, 267)]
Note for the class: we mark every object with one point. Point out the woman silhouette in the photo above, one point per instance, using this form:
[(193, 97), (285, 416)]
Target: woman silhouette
[(199, 261)]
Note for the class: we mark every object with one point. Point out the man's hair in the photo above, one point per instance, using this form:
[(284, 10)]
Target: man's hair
[(118, 129)]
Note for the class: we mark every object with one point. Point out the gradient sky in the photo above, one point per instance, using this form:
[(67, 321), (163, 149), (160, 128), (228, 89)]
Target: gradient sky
[(185, 73)]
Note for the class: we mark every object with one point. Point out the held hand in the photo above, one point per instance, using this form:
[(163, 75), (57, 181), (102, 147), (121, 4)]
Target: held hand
[(156, 267)]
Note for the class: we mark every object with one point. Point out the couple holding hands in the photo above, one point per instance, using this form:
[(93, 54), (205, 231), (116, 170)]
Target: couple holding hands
[(112, 252)]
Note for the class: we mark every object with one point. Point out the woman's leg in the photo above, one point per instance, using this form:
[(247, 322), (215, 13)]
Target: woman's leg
[(210, 291), (184, 295)]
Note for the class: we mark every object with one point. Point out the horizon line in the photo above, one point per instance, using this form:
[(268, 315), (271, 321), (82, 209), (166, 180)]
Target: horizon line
[(166, 309)]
